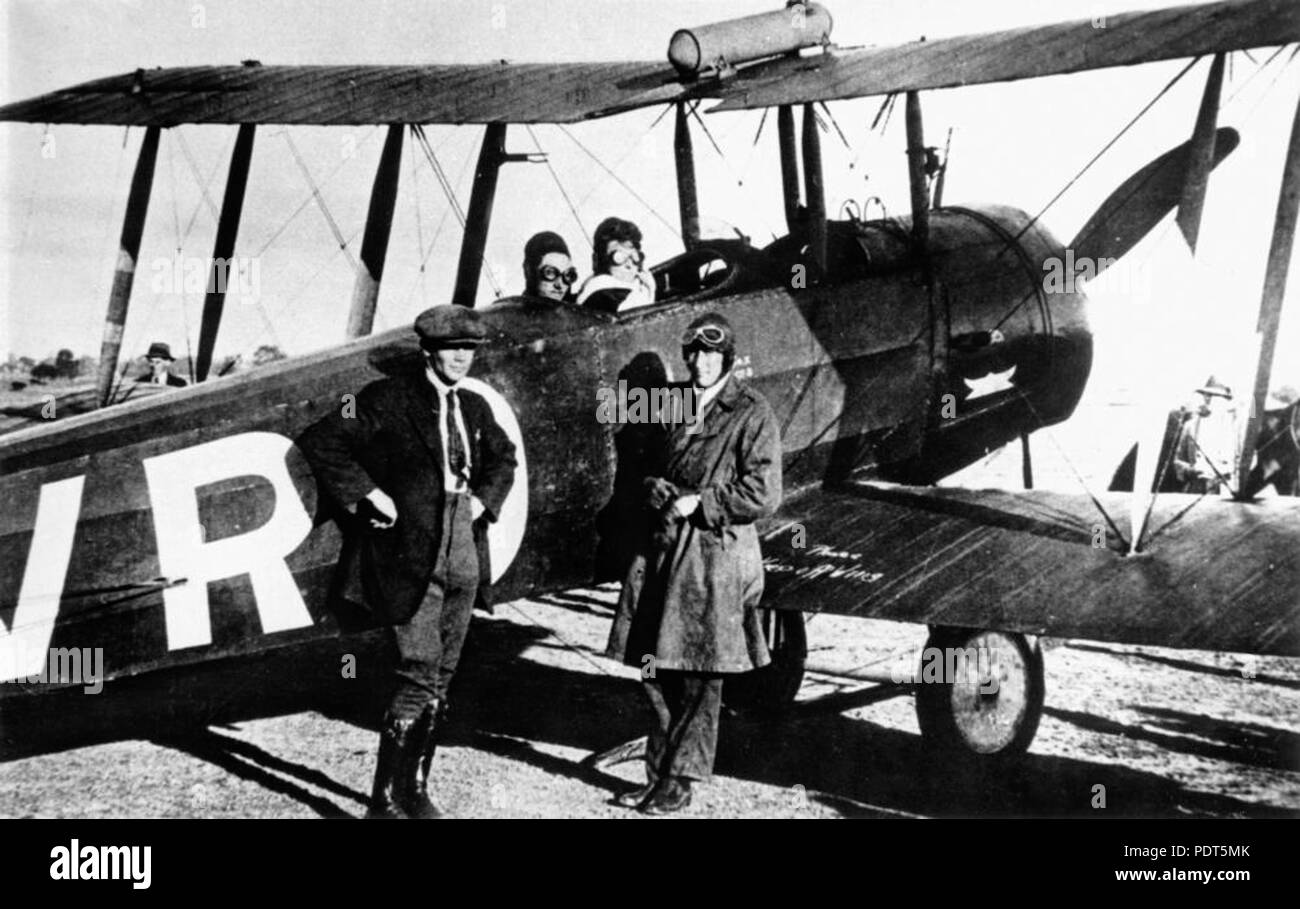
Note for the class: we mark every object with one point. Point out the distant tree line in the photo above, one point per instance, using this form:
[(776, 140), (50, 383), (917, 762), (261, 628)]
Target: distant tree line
[(67, 365), (63, 365)]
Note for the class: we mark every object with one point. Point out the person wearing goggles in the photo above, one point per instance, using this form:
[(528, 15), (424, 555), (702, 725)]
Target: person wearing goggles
[(549, 274), (619, 281), (688, 603)]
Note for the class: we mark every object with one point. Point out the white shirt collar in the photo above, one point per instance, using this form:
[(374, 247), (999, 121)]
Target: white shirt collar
[(436, 381)]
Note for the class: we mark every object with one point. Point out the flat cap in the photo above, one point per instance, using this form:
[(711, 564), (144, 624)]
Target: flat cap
[(450, 326)]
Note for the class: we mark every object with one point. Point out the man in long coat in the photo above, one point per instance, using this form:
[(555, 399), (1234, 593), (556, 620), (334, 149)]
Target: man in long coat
[(686, 614), (424, 467)]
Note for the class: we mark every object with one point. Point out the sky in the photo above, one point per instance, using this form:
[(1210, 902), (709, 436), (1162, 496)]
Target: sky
[(62, 191)]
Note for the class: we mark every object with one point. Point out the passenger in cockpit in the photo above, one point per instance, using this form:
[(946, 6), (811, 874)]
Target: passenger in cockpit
[(620, 282)]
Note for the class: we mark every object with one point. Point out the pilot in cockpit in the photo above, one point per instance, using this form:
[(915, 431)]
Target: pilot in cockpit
[(620, 282), (549, 274)]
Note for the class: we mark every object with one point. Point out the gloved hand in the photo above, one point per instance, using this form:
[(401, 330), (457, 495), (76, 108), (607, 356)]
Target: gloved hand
[(659, 493)]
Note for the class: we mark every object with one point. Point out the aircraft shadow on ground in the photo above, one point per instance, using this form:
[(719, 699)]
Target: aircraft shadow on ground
[(1188, 665), (1238, 742), (250, 762), (179, 704), (503, 703), (853, 766)]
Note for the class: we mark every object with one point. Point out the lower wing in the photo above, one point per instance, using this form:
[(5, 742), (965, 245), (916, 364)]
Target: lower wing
[(1214, 574)]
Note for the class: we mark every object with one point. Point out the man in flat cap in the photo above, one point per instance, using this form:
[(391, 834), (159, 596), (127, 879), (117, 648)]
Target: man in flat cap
[(423, 467)]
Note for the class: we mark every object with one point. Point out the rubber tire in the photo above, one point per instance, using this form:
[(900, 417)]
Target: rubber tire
[(949, 737), (774, 687)]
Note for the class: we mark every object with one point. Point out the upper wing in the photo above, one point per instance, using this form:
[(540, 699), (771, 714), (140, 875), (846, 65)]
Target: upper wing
[(1218, 575), (568, 92), (1020, 53), (346, 95)]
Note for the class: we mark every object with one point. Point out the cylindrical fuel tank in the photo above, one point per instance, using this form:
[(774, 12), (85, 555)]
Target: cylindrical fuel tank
[(708, 49)]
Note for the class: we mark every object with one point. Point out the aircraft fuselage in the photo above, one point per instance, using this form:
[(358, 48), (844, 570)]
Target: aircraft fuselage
[(186, 527)]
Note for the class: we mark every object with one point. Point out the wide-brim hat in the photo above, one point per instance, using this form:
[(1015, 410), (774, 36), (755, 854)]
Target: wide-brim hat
[(1213, 388), (159, 349), (450, 326)]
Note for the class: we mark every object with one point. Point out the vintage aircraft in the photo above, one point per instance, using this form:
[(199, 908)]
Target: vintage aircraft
[(186, 529)]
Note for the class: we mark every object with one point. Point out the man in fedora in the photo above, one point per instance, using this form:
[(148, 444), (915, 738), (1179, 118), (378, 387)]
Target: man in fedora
[(423, 466), (160, 364)]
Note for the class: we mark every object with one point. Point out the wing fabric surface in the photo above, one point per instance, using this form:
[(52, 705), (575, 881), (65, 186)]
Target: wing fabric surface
[(570, 92), (349, 95), (1021, 53), (1217, 575)]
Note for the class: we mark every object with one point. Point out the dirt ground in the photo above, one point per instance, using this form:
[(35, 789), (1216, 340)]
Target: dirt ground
[(1166, 733)]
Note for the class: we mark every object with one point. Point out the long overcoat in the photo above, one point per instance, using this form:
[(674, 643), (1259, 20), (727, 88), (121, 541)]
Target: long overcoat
[(690, 594), (392, 442)]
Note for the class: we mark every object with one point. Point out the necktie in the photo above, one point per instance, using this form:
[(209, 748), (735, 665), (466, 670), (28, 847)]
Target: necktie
[(455, 445)]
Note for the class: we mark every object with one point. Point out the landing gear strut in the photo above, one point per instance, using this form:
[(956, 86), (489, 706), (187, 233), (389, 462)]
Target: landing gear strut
[(775, 686)]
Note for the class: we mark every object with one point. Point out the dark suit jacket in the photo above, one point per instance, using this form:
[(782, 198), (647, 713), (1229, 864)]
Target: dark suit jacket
[(392, 441), (173, 381)]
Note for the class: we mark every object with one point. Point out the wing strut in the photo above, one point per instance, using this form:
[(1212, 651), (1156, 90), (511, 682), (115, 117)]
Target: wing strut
[(815, 189), (232, 206), (490, 159), (1270, 307), (1201, 151), (789, 168), (374, 245), (688, 202), (1026, 462), (128, 255), (916, 173)]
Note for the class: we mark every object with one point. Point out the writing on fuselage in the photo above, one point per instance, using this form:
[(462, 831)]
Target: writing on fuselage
[(173, 481), (189, 556)]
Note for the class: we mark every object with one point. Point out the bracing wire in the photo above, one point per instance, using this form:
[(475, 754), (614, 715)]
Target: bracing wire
[(676, 231), (438, 172), (455, 204), (320, 200), (1259, 68), (694, 111), (180, 250), (307, 201), (560, 186), (1114, 528), (419, 280), (203, 183), (1097, 157), (419, 220)]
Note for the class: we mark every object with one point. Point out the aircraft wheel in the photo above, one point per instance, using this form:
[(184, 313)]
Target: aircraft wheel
[(775, 686), (988, 711)]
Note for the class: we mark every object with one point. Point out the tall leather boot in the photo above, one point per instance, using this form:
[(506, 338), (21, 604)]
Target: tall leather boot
[(394, 740), (415, 799)]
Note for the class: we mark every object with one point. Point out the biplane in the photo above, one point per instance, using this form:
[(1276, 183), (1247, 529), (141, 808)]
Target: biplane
[(185, 529)]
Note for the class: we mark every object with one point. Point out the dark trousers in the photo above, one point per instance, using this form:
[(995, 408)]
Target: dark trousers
[(429, 644), (684, 739)]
